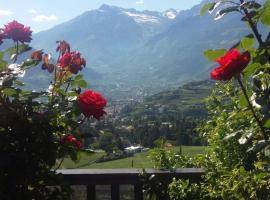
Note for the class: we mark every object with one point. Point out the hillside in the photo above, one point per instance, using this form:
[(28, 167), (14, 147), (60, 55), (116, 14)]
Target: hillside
[(173, 114), (185, 101), (136, 53)]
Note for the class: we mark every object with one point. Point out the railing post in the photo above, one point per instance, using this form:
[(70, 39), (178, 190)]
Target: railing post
[(138, 192), (115, 192), (91, 192)]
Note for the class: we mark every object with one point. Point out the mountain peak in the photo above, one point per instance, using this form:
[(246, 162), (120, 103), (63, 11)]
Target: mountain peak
[(141, 17), (106, 7), (170, 13)]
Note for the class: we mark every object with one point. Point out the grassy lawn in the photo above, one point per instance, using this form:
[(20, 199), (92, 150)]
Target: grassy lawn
[(140, 160)]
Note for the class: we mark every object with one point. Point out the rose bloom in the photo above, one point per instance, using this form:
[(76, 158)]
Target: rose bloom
[(17, 32), (62, 47), (37, 55), (231, 64), (65, 60), (72, 61), (92, 104), (70, 139)]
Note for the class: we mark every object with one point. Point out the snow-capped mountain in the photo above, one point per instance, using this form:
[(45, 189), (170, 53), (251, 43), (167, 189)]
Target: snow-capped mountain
[(170, 13), (142, 18), (132, 49)]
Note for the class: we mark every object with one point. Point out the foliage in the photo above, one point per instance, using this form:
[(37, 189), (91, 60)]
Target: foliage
[(237, 162), (172, 114), (38, 129), (164, 158), (183, 189)]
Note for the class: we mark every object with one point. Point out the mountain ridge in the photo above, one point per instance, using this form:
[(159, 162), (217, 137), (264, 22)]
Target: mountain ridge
[(138, 53)]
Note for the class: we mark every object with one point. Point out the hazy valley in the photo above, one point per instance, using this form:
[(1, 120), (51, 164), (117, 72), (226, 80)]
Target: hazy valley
[(131, 54)]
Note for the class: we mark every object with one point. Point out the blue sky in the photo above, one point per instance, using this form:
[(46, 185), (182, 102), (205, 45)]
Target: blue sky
[(43, 14)]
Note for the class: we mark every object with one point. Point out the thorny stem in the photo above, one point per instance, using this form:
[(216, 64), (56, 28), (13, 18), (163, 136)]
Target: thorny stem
[(69, 81), (59, 165), (251, 107), (17, 51), (255, 30), (55, 77), (252, 25)]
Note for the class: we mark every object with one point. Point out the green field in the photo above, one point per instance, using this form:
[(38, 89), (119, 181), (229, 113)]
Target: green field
[(140, 160)]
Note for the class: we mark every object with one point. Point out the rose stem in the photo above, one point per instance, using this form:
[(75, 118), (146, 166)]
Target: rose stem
[(17, 51), (69, 81), (55, 77), (59, 165), (255, 30), (251, 107)]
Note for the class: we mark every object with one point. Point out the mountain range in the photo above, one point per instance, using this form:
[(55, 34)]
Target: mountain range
[(131, 54)]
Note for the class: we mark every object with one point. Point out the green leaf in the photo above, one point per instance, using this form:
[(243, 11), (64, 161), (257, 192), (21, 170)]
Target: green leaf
[(9, 91), (79, 83), (247, 42), (78, 77), (251, 69), (82, 83), (19, 83), (3, 64), (28, 63), (242, 101), (206, 7), (267, 123), (25, 93), (72, 94), (61, 91), (212, 55), (265, 14), (265, 18)]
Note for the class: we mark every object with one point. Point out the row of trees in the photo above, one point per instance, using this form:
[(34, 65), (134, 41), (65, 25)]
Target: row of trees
[(178, 132)]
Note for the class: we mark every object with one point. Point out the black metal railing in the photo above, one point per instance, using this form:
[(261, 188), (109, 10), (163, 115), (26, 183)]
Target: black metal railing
[(116, 177)]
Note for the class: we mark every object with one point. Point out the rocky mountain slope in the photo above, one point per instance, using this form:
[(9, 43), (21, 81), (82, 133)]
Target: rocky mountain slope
[(134, 53)]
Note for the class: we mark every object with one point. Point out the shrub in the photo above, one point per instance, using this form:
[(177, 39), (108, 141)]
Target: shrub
[(39, 128)]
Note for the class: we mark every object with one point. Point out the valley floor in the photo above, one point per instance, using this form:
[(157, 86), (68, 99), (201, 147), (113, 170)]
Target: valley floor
[(140, 160)]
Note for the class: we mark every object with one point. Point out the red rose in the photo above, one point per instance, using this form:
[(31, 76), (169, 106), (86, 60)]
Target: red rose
[(231, 64), (17, 32), (37, 55), (73, 61), (77, 144), (70, 139), (92, 104), (76, 63), (64, 61)]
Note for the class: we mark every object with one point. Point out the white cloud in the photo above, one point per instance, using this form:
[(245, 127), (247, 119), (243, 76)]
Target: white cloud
[(32, 11), (45, 18), (140, 2), (5, 13)]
